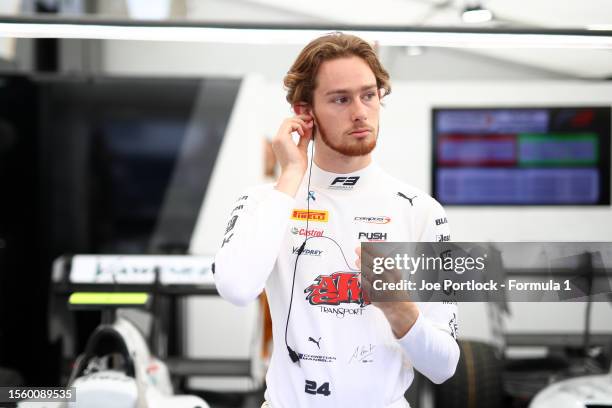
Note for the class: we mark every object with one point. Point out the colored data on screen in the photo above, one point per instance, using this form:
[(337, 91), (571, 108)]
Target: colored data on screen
[(522, 156)]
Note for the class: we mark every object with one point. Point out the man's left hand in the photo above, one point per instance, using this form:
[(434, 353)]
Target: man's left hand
[(401, 314)]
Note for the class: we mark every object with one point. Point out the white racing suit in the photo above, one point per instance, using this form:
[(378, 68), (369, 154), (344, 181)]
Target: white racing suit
[(348, 354)]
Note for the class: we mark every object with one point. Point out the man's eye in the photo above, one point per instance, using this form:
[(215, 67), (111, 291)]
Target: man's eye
[(369, 96), (341, 99)]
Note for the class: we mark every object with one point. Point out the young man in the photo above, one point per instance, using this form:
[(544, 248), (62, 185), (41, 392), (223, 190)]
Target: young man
[(297, 239)]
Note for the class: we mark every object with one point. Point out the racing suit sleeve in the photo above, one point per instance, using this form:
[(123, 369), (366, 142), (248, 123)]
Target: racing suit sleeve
[(251, 243), (431, 344)]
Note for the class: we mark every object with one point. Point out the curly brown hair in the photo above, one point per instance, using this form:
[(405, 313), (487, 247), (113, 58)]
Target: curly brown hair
[(300, 81)]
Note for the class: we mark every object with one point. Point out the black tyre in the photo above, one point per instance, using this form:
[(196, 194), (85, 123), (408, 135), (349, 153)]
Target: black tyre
[(477, 382)]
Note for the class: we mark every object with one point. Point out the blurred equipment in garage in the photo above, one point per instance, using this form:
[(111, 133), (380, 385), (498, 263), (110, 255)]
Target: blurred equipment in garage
[(577, 365), (116, 284), (117, 368), (95, 165)]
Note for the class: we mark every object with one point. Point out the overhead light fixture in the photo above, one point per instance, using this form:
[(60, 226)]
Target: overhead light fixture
[(274, 34), (599, 27), (413, 50), (476, 14), (149, 9)]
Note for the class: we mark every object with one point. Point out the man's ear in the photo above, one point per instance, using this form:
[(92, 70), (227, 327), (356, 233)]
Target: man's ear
[(302, 108)]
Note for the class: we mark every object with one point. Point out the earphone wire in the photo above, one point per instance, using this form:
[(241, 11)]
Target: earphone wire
[(292, 354)]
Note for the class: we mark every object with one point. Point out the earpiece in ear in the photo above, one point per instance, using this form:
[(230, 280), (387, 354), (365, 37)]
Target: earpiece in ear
[(314, 123), (300, 108)]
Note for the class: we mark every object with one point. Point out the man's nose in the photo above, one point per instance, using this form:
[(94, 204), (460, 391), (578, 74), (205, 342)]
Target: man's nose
[(359, 111)]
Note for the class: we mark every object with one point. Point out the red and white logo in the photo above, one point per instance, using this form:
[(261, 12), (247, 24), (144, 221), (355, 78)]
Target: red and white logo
[(309, 233), (335, 289)]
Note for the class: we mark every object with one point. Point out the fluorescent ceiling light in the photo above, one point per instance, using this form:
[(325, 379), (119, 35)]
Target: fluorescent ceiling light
[(475, 15), (413, 50), (291, 35), (599, 27)]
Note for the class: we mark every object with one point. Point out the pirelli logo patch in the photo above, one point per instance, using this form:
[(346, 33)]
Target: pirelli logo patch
[(312, 215)]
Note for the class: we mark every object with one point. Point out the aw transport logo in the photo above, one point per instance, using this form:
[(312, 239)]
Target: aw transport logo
[(331, 292)]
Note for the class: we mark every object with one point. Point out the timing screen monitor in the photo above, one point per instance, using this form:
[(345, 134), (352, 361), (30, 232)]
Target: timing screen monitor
[(520, 156)]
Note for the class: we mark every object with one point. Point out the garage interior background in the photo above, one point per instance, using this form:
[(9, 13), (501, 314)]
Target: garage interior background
[(219, 102)]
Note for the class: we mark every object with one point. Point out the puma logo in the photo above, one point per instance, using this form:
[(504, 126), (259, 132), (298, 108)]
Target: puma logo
[(315, 342), (407, 198), (226, 240)]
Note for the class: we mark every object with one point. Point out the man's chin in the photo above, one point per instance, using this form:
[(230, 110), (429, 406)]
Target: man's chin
[(358, 149), (353, 147)]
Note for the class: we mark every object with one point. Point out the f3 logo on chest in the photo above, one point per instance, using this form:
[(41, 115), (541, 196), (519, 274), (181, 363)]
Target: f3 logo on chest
[(344, 182)]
